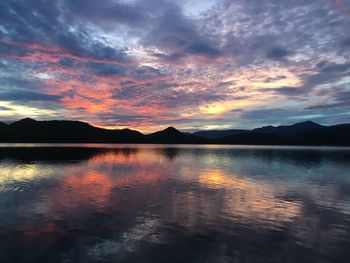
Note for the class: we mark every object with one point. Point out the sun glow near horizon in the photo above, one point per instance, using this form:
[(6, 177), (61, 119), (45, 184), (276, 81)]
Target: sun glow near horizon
[(185, 64)]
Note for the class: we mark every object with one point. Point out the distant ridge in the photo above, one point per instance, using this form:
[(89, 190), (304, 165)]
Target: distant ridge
[(214, 134), (170, 131), (29, 130), (172, 135), (2, 124), (297, 128), (65, 131), (25, 121)]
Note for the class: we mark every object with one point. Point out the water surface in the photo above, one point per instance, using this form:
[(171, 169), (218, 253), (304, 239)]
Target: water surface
[(154, 203)]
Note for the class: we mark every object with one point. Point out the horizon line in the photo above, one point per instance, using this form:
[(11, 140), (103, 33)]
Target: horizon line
[(165, 127)]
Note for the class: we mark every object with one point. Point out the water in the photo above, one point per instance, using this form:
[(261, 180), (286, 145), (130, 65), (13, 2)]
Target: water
[(152, 203)]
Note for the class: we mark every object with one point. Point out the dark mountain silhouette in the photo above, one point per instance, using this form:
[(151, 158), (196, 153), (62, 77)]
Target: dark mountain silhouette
[(294, 129), (254, 138), (29, 130), (172, 135), (214, 134), (24, 123), (304, 133), (2, 124), (331, 135)]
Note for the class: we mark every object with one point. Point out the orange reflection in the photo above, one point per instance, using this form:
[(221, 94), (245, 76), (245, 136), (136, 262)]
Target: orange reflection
[(126, 181), (253, 200), (212, 179), (94, 182)]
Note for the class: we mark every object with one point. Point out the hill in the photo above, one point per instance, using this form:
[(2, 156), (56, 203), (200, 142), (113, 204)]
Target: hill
[(305, 133), (29, 130), (65, 131), (214, 134), (172, 135), (294, 129), (2, 124)]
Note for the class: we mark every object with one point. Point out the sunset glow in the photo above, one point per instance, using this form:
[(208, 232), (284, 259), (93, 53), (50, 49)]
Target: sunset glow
[(149, 64)]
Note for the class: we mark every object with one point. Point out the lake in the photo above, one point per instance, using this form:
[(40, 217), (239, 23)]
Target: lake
[(173, 203)]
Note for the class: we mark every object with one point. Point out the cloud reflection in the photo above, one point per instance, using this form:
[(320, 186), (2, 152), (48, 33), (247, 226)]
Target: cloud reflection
[(115, 202)]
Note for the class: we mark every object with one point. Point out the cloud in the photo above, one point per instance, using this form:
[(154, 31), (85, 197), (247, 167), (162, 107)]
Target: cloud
[(328, 106), (23, 95), (178, 36), (106, 11), (4, 108), (340, 100), (270, 79), (7, 49), (277, 53), (324, 73), (346, 42), (20, 82), (106, 69), (151, 62), (39, 21)]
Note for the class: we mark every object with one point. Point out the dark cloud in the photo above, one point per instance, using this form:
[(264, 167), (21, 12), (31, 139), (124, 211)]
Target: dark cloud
[(95, 68), (30, 20), (7, 49), (81, 45), (106, 11), (144, 73), (330, 68), (62, 24), (67, 62), (346, 42), (325, 73), (340, 100), (106, 69), (178, 36), (203, 49), (269, 79), (327, 106), (4, 108), (44, 22), (277, 53), (20, 82), (343, 95), (24, 95), (291, 91)]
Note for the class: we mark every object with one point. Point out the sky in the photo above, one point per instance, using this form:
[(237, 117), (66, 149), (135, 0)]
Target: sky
[(192, 64)]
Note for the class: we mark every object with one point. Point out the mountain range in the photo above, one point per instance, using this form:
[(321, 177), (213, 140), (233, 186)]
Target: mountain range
[(303, 133)]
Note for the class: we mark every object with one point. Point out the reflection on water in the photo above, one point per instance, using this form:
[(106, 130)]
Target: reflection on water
[(142, 203)]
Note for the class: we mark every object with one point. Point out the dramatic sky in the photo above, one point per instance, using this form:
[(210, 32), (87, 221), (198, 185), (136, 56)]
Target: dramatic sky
[(192, 64)]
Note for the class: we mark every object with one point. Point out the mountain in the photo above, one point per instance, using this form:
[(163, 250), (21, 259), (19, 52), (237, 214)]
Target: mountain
[(29, 130), (304, 133), (172, 135), (214, 134), (254, 138), (26, 122), (2, 125), (294, 129), (331, 135)]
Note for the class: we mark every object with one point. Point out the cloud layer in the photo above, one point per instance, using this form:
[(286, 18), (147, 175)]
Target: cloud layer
[(148, 64)]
